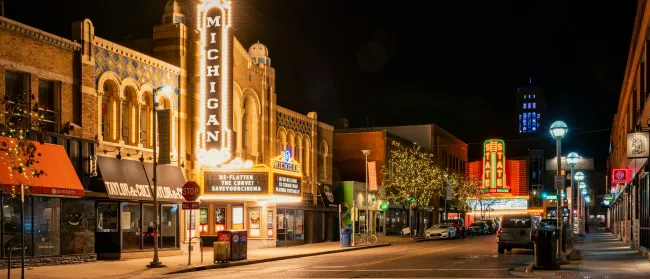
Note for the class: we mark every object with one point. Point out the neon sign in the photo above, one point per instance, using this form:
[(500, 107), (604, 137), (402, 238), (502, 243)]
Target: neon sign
[(285, 162), (494, 160), (619, 176), (215, 134)]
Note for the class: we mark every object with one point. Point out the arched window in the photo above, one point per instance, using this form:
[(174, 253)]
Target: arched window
[(109, 111), (299, 144), (249, 126), (145, 127), (128, 116), (163, 103), (307, 158), (324, 149), (292, 142), (281, 145)]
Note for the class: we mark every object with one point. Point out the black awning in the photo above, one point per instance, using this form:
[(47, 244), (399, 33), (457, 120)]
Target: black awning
[(326, 196), (127, 180)]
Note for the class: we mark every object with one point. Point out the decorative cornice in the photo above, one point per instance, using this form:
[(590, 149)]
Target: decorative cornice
[(38, 34), (122, 50), (294, 114), (325, 126)]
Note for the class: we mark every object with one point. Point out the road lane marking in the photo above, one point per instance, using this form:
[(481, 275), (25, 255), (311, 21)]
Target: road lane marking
[(406, 256)]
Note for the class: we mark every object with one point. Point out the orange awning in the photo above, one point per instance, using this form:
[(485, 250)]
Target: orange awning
[(60, 177)]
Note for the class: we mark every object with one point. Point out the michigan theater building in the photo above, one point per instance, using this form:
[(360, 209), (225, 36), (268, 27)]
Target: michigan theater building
[(261, 167)]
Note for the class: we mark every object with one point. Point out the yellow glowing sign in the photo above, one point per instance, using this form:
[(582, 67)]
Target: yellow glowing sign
[(215, 145)]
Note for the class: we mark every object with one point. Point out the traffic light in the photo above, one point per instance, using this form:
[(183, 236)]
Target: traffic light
[(544, 195)]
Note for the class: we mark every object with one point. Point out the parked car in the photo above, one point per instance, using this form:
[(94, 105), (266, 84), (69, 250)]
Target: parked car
[(493, 225), (515, 231), (441, 231), (478, 228), (459, 224)]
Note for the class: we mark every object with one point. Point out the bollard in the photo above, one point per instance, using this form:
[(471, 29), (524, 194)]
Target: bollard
[(9, 266)]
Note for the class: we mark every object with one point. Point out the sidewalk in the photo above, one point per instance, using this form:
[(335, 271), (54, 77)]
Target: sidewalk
[(603, 255), (137, 268)]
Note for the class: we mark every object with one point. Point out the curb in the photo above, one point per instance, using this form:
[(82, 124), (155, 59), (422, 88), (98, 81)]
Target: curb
[(233, 264)]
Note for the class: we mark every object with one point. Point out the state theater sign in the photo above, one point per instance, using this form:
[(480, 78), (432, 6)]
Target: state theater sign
[(494, 162)]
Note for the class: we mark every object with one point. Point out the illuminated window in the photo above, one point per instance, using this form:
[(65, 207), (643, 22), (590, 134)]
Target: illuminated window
[(534, 105), (525, 96), (538, 115), (524, 105), (519, 117), (533, 96)]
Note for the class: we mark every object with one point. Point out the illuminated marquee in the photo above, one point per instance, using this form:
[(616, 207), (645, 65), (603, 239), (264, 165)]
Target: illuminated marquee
[(286, 162), (215, 134), (494, 161)]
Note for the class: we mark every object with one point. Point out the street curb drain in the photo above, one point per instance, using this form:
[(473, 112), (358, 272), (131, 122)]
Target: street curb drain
[(233, 264)]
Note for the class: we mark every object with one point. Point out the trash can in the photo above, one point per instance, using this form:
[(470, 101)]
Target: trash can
[(221, 253), (346, 235), (545, 248)]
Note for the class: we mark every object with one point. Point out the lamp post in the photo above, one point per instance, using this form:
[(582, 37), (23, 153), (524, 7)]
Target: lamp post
[(580, 177), (558, 131), (156, 261), (572, 159), (366, 153)]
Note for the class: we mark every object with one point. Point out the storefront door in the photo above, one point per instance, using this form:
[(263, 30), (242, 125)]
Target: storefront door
[(290, 227), (379, 222)]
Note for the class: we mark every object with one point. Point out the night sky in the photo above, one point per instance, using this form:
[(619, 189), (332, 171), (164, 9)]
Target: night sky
[(457, 64)]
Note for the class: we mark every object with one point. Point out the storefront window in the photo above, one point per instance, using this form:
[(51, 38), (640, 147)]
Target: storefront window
[(77, 226), (148, 226), (12, 225), (203, 219), (169, 221), (219, 219), (291, 233), (107, 217), (46, 226), (290, 225), (269, 224), (130, 223), (254, 223), (237, 217), (282, 230)]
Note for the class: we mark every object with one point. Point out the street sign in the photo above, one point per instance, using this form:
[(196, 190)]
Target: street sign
[(191, 205), (559, 182), (191, 191), (551, 197)]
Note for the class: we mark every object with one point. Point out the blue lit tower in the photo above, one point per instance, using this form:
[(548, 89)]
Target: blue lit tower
[(530, 109)]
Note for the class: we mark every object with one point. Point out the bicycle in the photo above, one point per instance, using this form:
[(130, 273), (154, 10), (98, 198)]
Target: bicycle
[(365, 237)]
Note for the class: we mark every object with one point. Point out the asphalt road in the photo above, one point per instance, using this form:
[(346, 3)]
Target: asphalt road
[(474, 257)]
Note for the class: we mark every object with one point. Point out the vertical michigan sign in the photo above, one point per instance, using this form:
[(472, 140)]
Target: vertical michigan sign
[(215, 136)]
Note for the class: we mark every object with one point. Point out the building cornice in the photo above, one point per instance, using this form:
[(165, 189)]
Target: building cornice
[(38, 34), (122, 50)]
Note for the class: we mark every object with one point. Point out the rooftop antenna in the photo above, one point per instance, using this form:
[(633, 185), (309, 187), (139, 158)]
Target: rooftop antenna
[(530, 80)]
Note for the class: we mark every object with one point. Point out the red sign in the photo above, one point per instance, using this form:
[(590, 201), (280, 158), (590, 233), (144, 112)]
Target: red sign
[(619, 176), (191, 205), (372, 176), (191, 191)]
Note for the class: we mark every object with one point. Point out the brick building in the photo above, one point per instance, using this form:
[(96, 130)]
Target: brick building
[(101, 95)]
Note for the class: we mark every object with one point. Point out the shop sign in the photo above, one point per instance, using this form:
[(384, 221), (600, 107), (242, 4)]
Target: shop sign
[(619, 176), (383, 206), (141, 191), (372, 176), (286, 162), (236, 183), (286, 185), (638, 145), (164, 136), (498, 204)]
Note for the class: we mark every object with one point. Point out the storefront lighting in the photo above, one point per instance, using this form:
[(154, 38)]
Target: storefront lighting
[(582, 185), (257, 198)]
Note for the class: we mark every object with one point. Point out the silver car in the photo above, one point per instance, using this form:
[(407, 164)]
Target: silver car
[(514, 232)]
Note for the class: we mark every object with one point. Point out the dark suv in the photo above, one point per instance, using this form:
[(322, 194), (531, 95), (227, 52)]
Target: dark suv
[(459, 224)]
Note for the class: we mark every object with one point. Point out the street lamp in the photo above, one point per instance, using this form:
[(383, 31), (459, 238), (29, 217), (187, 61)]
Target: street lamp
[(558, 131), (366, 153), (156, 261), (572, 159), (580, 177)]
